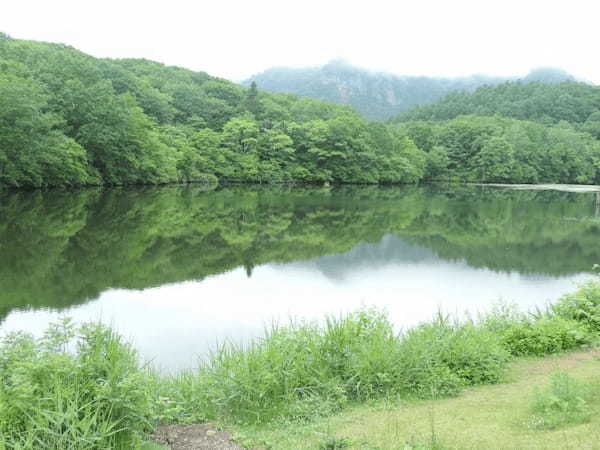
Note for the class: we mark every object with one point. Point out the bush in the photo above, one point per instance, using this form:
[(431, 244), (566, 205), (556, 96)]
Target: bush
[(440, 357), (546, 335), (93, 397), (564, 402), (301, 371), (582, 306)]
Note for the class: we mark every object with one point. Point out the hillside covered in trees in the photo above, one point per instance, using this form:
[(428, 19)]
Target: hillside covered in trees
[(512, 133), (379, 96), (69, 119), (538, 102)]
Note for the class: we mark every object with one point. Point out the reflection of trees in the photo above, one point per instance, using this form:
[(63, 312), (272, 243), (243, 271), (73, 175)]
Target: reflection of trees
[(61, 248)]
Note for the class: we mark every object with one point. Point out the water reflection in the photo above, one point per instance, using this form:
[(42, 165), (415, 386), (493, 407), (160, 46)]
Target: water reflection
[(177, 269)]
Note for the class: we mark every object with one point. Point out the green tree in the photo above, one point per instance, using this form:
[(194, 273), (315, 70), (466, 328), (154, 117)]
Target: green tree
[(495, 162), (251, 102), (437, 163)]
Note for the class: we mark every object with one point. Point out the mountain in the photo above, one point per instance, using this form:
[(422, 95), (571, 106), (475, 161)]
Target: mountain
[(376, 95)]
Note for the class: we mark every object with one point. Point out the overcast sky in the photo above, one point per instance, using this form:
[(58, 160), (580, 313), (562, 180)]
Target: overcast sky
[(235, 39)]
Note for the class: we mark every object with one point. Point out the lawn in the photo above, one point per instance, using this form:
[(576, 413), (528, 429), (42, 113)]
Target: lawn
[(485, 417)]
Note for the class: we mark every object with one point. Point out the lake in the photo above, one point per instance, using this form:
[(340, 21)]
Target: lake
[(179, 269)]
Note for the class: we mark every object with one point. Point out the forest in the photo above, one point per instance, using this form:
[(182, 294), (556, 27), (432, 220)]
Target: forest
[(69, 119), (511, 133)]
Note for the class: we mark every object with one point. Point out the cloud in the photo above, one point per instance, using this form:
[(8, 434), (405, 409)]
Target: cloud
[(235, 39)]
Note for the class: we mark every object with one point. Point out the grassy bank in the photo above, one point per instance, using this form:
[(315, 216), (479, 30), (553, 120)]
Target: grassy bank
[(83, 387), (490, 417)]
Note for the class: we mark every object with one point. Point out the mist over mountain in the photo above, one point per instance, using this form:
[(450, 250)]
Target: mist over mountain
[(377, 95)]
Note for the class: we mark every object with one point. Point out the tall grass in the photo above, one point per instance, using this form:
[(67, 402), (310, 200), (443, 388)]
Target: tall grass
[(83, 388), (304, 371), (441, 357), (300, 371), (91, 396)]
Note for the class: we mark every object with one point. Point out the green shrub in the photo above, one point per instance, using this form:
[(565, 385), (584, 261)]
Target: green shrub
[(83, 388), (565, 401), (301, 371), (440, 357), (546, 335), (582, 305), (93, 397)]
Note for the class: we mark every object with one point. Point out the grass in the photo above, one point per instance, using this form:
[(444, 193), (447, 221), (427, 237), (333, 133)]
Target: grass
[(565, 401), (305, 371), (495, 416), (75, 388), (83, 387)]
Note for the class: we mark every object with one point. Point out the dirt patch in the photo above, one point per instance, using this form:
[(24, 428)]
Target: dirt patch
[(194, 437)]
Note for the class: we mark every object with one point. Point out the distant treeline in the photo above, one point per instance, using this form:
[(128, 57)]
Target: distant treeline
[(69, 119), (513, 133), (577, 103)]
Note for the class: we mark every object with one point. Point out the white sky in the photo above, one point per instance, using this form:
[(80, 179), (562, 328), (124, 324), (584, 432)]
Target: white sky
[(235, 39)]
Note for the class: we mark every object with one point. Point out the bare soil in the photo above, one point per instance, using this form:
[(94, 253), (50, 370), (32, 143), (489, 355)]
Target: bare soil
[(194, 437)]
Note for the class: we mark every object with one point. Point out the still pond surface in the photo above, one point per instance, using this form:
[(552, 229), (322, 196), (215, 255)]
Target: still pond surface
[(178, 269)]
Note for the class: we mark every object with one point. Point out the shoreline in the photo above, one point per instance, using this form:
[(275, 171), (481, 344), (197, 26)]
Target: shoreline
[(305, 373), (577, 188)]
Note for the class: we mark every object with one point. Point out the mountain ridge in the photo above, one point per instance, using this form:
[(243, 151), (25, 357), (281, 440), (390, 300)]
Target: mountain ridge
[(379, 95)]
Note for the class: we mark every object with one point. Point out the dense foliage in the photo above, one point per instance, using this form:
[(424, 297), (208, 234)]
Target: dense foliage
[(70, 119), (539, 102), (511, 133), (378, 96), (74, 388), (94, 394), (62, 248), (503, 150)]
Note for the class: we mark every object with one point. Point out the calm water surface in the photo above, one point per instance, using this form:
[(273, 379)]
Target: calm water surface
[(178, 269)]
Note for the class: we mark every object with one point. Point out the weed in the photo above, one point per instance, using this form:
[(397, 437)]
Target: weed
[(582, 305), (94, 397), (335, 443), (565, 401), (544, 336), (440, 357)]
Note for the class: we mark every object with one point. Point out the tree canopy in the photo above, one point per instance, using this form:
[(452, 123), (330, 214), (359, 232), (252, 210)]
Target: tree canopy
[(547, 103), (69, 119)]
